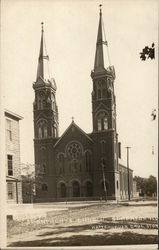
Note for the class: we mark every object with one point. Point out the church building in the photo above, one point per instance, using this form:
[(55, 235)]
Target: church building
[(78, 165)]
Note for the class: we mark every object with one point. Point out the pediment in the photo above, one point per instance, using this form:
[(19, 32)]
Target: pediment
[(73, 132)]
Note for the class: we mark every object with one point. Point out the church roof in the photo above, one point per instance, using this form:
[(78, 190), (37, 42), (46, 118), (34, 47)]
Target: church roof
[(73, 124)]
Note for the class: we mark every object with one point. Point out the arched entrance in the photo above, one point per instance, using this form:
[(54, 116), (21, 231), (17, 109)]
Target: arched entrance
[(89, 189), (63, 190), (75, 189)]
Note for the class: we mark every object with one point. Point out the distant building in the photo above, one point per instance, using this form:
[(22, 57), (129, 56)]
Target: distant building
[(13, 169), (77, 165), (124, 181)]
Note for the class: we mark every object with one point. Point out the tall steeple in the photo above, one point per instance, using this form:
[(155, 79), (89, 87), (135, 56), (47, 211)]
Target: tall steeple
[(99, 58), (45, 106), (43, 63)]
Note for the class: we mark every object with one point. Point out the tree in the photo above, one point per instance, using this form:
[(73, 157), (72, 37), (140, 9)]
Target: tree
[(146, 186), (148, 53), (31, 180)]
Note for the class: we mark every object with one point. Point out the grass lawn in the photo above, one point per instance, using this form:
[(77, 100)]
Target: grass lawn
[(89, 224)]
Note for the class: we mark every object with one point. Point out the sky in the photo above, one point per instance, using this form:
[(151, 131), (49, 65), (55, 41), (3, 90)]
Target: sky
[(70, 34)]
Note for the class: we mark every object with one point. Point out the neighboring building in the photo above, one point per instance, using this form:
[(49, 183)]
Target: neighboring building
[(77, 166), (124, 182), (13, 169)]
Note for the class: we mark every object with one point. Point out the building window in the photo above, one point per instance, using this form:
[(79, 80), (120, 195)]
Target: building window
[(74, 150), (41, 100), (102, 121), (61, 163), (9, 130), (10, 164), (75, 166), (117, 184), (105, 123), (10, 191), (99, 125), (42, 129), (44, 168), (45, 132), (44, 187), (40, 132), (101, 90), (88, 161)]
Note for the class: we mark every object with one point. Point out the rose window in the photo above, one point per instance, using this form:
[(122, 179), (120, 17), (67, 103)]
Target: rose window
[(74, 150)]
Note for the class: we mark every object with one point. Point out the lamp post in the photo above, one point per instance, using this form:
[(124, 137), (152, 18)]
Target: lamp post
[(128, 172)]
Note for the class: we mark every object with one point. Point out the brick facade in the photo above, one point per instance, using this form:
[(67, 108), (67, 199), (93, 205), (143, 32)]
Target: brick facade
[(78, 166)]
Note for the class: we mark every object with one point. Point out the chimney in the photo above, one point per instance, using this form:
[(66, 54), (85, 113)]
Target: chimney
[(119, 150)]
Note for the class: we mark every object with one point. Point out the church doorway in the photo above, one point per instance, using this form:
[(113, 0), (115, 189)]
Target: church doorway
[(63, 190), (75, 189), (89, 189)]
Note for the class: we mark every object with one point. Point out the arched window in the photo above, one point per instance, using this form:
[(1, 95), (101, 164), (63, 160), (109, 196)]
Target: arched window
[(41, 100), (40, 104), (88, 161), (105, 123), (101, 90), (40, 132), (61, 163), (45, 132), (44, 168), (102, 121), (99, 124), (75, 166), (44, 187), (55, 129), (42, 129), (117, 184)]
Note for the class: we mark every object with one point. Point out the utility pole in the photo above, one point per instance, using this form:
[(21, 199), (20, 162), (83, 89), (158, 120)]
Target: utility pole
[(105, 188), (128, 172)]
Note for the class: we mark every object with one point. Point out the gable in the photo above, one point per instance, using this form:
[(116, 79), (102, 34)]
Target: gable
[(100, 106), (73, 133)]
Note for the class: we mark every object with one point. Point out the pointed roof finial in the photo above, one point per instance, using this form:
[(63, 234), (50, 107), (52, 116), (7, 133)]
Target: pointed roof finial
[(42, 26), (100, 8), (73, 119)]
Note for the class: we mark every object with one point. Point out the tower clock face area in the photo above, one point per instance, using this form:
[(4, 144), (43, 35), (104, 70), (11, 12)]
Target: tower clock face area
[(74, 150)]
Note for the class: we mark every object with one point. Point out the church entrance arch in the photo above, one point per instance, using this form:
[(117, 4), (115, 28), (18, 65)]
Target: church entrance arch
[(63, 190), (89, 189), (75, 189)]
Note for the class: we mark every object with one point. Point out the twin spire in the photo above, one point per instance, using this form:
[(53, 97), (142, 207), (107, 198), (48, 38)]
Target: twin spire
[(43, 67)]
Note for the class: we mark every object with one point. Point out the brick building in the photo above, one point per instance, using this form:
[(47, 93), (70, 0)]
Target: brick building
[(78, 166), (13, 169)]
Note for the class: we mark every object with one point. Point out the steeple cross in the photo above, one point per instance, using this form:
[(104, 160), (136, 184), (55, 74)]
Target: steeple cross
[(100, 7), (73, 119), (42, 26)]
